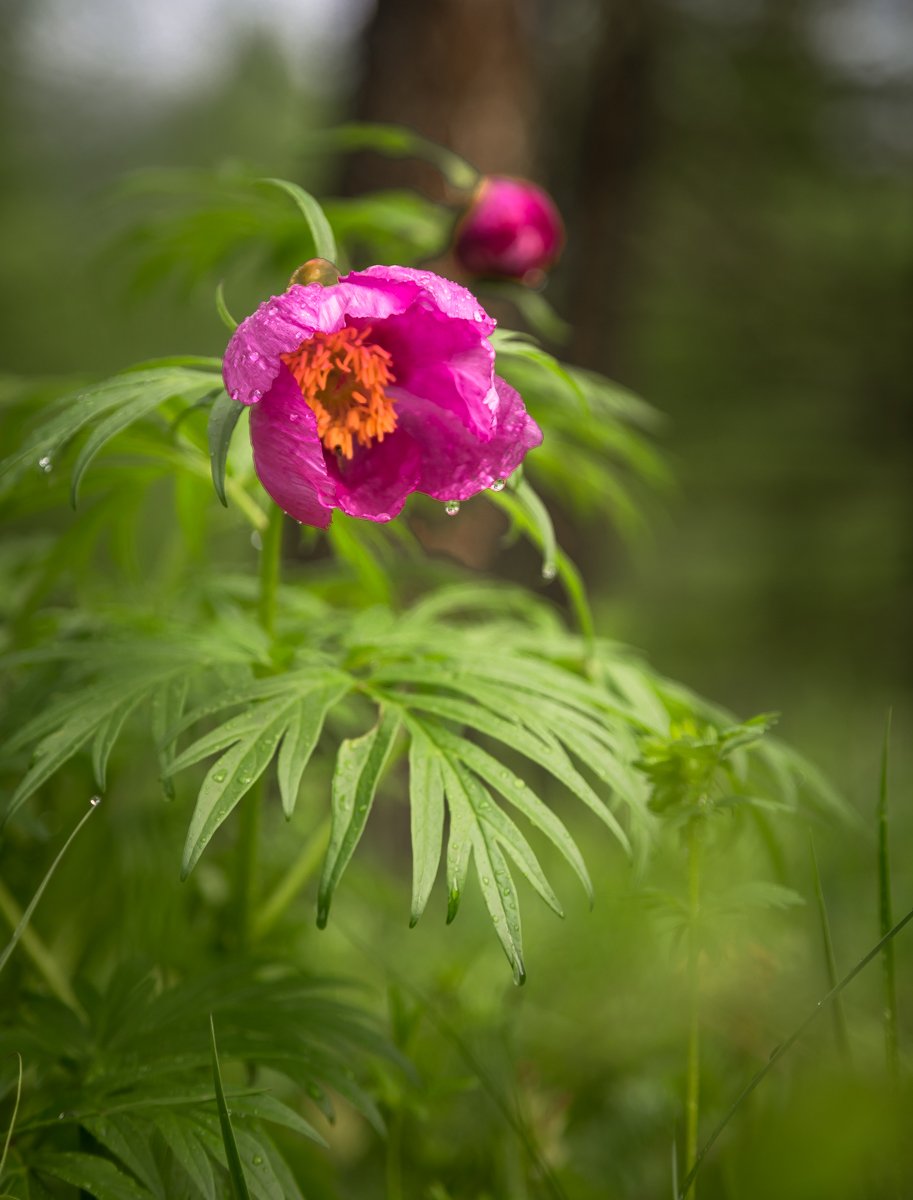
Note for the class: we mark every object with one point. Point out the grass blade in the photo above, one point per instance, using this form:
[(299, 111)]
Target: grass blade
[(885, 917), (33, 904), (9, 1132), (830, 959), (235, 1170), (788, 1044)]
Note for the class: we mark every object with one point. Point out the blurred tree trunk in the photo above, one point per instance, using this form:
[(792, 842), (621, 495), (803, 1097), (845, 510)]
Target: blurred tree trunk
[(460, 72), (602, 180)]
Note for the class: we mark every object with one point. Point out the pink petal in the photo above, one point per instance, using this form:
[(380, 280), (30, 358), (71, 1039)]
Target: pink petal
[(375, 483), (455, 463), (288, 456)]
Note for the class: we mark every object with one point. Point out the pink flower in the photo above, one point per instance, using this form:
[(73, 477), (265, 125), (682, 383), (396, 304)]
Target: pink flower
[(371, 388), (512, 230)]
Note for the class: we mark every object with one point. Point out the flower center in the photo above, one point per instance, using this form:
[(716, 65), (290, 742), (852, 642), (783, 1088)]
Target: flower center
[(342, 377)]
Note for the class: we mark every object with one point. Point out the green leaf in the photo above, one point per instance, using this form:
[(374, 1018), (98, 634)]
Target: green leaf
[(233, 1158), (188, 1151), (301, 737), (114, 403), (106, 736), (223, 418), (232, 776), (129, 1142), (398, 142), (520, 795), (324, 241), (358, 769), (426, 804), (96, 1176), (466, 799)]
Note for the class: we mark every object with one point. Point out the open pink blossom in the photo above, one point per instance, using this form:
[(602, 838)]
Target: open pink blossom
[(371, 388), (511, 230)]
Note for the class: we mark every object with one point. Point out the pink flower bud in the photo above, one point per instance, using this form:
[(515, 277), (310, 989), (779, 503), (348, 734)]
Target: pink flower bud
[(511, 230)]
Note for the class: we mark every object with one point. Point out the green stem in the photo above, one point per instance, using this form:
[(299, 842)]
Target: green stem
[(693, 1076), (248, 846), (270, 560), (394, 1164), (885, 915), (830, 958), (301, 870)]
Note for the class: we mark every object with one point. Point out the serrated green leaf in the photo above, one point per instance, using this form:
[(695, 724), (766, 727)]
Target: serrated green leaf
[(301, 737), (94, 1175), (138, 390), (237, 728), (129, 1143), (266, 1107), (358, 769), (541, 747), (223, 417), (167, 710), (106, 736), (426, 805), (324, 241), (465, 798), (520, 795), (230, 778), (181, 1139)]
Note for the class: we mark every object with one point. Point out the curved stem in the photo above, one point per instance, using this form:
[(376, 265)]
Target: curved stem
[(270, 560)]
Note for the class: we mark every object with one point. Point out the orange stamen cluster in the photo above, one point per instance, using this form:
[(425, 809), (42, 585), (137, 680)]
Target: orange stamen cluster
[(343, 378)]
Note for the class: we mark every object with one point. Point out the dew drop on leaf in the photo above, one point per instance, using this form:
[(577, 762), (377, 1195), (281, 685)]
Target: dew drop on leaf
[(45, 464), (95, 801), (549, 571), (219, 776), (257, 1160)]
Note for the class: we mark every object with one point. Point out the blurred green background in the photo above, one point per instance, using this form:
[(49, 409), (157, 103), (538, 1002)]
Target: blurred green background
[(736, 181)]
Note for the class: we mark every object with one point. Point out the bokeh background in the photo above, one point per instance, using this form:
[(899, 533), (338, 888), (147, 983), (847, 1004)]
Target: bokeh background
[(736, 179)]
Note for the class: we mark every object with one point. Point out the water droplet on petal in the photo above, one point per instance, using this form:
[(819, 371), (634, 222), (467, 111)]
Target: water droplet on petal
[(452, 507), (549, 571), (235, 393), (95, 801), (45, 464), (253, 356), (256, 540), (256, 395), (498, 485), (478, 315), (293, 416)]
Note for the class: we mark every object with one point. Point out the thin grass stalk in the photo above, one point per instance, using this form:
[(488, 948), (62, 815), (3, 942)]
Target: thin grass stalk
[(693, 1073), (840, 1024), (885, 914), (784, 1046)]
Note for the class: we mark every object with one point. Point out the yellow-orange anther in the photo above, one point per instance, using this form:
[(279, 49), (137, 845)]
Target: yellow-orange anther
[(343, 378)]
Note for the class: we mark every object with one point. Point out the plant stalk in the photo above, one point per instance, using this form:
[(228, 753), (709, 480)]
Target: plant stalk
[(250, 808), (693, 1076), (885, 914)]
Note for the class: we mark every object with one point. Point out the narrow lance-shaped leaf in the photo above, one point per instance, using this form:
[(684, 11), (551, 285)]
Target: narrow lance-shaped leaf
[(301, 737), (426, 805), (322, 233), (230, 778), (358, 768), (223, 418), (465, 797)]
